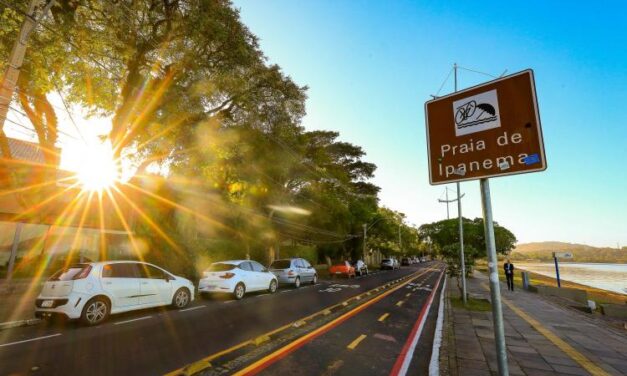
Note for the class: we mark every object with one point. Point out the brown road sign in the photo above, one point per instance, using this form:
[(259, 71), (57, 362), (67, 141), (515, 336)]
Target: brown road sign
[(485, 131)]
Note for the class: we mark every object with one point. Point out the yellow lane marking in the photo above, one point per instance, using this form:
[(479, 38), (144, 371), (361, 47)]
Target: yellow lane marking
[(354, 344), (383, 317), (557, 341), (206, 361), (400, 303), (321, 329)]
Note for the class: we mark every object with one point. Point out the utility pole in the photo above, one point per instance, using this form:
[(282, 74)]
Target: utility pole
[(400, 244), (461, 224), (459, 216), (365, 225), (447, 202), (9, 81)]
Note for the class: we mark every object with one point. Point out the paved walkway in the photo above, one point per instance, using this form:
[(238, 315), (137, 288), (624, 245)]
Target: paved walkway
[(542, 338)]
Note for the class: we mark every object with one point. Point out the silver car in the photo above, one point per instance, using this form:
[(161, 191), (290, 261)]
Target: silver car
[(294, 271), (390, 263)]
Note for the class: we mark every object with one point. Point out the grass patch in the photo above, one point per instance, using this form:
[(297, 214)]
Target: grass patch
[(481, 305)]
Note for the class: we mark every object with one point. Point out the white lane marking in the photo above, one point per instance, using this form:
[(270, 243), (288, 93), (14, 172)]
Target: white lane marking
[(406, 358), (261, 295), (229, 301), (434, 365), (29, 340), (132, 320), (192, 308)]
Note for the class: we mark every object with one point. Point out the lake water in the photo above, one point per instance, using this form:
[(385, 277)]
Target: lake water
[(611, 277)]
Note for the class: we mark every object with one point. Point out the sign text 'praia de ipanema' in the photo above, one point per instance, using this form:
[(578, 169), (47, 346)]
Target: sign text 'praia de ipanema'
[(485, 131)]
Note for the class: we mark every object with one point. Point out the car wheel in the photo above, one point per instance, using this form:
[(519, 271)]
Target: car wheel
[(181, 298), (297, 282), (367, 272), (239, 291), (314, 280), (95, 311), (273, 286)]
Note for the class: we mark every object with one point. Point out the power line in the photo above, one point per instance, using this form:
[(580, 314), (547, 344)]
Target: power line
[(58, 130)]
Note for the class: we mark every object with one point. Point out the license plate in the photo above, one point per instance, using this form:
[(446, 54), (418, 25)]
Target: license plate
[(47, 303)]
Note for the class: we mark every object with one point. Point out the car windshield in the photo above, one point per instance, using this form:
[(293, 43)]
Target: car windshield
[(386, 260), (220, 267), (68, 273), (281, 264)]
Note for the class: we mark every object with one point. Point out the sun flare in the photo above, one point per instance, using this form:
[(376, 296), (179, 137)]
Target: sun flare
[(97, 170)]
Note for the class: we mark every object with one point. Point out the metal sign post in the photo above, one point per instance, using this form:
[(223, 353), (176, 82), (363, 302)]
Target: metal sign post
[(557, 255), (485, 131), (557, 270), (495, 292)]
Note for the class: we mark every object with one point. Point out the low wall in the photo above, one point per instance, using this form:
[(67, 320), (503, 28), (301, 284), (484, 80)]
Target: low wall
[(615, 310), (580, 296)]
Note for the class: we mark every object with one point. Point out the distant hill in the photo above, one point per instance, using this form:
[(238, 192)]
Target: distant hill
[(542, 251)]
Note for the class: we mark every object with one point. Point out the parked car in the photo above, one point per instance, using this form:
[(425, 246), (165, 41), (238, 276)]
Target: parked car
[(360, 268), (405, 261), (416, 259), (92, 291), (237, 277), (390, 263), (342, 268), (294, 271)]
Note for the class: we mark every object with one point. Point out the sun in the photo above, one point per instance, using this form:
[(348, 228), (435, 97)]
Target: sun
[(97, 169)]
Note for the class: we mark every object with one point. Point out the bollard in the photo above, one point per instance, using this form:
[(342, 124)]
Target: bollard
[(525, 280)]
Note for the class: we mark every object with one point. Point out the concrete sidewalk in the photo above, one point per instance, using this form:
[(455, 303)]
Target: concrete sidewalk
[(542, 338)]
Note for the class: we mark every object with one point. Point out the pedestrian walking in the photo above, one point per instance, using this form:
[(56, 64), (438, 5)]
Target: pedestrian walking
[(509, 274)]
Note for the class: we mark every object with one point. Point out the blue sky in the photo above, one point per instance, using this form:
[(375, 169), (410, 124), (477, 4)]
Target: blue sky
[(371, 65)]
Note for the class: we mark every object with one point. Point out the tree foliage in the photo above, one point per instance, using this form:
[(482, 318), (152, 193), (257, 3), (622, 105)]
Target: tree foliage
[(192, 98)]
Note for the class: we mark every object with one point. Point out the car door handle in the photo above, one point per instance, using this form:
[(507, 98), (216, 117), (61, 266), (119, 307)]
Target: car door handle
[(107, 283), (144, 283)]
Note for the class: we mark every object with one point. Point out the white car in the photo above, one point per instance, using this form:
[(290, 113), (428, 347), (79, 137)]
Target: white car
[(237, 277), (92, 291)]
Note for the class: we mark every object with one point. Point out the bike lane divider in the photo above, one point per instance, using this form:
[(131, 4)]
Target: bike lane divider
[(401, 366), (329, 311), (324, 343)]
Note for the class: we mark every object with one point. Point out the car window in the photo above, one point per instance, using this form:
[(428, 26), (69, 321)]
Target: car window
[(220, 267), (68, 274), (120, 270), (305, 263), (257, 267), (246, 266), (299, 263), (281, 264), (149, 271)]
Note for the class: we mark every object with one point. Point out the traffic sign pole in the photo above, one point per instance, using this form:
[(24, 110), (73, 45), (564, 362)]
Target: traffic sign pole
[(495, 292), (461, 225), (557, 271)]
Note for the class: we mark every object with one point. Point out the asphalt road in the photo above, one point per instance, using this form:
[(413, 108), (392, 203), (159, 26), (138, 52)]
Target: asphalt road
[(158, 341)]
